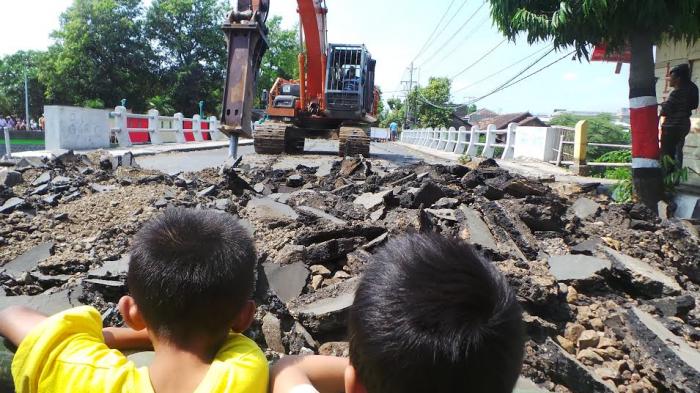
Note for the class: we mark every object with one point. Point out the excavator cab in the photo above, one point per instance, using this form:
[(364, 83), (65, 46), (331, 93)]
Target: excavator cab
[(349, 82)]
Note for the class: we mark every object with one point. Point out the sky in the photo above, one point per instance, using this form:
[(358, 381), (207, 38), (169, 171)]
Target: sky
[(395, 32)]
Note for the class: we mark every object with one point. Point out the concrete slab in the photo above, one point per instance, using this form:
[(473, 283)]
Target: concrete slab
[(267, 209), (116, 269), (675, 359), (287, 281), (476, 229), (576, 267), (45, 303), (29, 260), (584, 208), (321, 214), (641, 276)]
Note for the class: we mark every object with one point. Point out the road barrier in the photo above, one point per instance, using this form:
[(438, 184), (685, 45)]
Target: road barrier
[(473, 143), (130, 128)]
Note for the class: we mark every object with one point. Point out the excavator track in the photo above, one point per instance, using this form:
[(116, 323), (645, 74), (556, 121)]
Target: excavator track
[(270, 137), (353, 141)]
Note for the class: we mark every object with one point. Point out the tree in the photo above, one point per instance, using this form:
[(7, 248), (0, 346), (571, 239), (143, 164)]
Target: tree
[(394, 114), (191, 51), (637, 24), (430, 104), (12, 71), (280, 61), (100, 53)]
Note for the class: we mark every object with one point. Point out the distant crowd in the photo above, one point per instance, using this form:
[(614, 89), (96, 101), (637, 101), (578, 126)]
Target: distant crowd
[(17, 123)]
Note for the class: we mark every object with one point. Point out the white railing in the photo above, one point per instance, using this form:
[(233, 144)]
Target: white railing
[(162, 129), (465, 142)]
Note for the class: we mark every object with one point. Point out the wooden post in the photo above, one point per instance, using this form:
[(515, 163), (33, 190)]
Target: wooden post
[(580, 148)]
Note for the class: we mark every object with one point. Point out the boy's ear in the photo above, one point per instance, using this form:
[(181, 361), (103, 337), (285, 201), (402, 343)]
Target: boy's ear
[(131, 313), (245, 317), (352, 383)]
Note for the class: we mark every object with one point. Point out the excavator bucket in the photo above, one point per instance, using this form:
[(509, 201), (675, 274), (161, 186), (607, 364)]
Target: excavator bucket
[(246, 36)]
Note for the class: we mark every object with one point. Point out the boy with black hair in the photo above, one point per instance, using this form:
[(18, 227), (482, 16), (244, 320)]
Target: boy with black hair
[(429, 315), (191, 276)]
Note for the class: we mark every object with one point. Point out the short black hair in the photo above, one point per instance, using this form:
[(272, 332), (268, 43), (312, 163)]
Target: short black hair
[(191, 272), (681, 71), (430, 315)]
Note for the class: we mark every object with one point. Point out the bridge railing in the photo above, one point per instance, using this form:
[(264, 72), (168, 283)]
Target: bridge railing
[(473, 142), (131, 128)]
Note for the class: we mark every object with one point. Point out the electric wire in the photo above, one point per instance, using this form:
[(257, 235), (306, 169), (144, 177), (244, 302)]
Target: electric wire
[(466, 38), (445, 26), (479, 60), (437, 26), (501, 70)]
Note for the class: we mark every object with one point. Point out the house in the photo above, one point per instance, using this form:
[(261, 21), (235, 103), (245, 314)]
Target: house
[(481, 114), (501, 122)]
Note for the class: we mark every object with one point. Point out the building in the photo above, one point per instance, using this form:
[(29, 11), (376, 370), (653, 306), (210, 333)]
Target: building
[(525, 119)]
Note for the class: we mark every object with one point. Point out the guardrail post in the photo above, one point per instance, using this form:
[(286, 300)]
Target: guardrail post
[(444, 138), (509, 150), (490, 140), (473, 140), (451, 140), (580, 148), (197, 128), (122, 127), (179, 127), (154, 127), (462, 143), (8, 145), (214, 129)]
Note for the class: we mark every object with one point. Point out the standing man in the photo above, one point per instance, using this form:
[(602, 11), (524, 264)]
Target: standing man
[(677, 111), (394, 129), (3, 123)]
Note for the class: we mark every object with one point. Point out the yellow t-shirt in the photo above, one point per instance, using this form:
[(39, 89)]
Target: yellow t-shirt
[(67, 353)]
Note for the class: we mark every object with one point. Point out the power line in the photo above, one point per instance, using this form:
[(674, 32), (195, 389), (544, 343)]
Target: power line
[(468, 36), (430, 37), (446, 25), (512, 83), (501, 70), (480, 59)]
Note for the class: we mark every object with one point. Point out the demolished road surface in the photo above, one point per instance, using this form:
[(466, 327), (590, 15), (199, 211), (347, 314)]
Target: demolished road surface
[(609, 290)]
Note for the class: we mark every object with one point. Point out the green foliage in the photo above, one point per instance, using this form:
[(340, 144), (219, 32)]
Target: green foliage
[(581, 23), (100, 51), (673, 176), (191, 50), (12, 71), (623, 192), (281, 59), (617, 156), (464, 159), (94, 103), (430, 104), (601, 129), (163, 104)]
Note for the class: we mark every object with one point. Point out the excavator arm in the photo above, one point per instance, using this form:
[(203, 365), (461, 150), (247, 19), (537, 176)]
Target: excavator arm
[(246, 35)]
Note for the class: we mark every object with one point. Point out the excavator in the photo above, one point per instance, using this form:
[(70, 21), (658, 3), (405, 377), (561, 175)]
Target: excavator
[(334, 98)]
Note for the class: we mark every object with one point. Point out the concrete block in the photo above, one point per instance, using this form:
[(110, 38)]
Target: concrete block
[(75, 128), (537, 143)]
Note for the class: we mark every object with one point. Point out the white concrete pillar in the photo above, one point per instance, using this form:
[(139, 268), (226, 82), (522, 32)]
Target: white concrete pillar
[(197, 128), (121, 126), (473, 141), (490, 141), (179, 127), (154, 127), (509, 150)]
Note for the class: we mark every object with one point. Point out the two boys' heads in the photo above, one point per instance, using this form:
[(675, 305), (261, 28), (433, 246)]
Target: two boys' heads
[(429, 315)]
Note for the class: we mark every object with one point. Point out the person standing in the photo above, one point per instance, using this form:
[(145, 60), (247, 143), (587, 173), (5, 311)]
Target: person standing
[(42, 122), (677, 110), (394, 129)]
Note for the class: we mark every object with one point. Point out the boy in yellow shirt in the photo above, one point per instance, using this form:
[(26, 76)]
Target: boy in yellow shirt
[(191, 278)]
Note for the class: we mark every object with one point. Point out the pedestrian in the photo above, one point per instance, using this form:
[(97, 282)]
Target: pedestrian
[(677, 111), (3, 123), (10, 122), (394, 128), (32, 124), (42, 122)]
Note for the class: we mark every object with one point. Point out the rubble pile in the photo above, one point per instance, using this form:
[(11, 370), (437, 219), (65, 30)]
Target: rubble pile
[(609, 291)]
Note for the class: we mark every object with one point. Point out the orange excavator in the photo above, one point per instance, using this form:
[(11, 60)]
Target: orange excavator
[(334, 98)]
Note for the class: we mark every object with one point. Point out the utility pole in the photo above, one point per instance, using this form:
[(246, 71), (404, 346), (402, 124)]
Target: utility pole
[(410, 88), (26, 99)]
